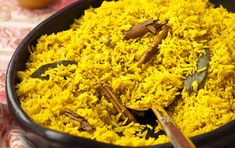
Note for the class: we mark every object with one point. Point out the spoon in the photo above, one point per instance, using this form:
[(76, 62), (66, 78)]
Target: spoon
[(177, 138)]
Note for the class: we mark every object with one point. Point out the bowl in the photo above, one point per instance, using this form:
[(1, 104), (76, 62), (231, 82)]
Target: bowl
[(43, 137)]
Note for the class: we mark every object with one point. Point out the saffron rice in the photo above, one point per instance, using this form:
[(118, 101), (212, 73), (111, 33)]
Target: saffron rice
[(96, 42)]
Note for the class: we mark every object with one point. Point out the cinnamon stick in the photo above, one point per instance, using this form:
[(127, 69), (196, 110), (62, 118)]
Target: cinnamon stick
[(154, 46), (78, 120), (143, 28), (106, 91)]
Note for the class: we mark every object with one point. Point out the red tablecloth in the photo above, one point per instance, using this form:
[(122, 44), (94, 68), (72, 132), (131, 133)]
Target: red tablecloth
[(15, 23)]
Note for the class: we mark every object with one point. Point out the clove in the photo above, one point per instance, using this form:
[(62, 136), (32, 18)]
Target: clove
[(78, 120), (143, 28), (154, 46), (106, 91)]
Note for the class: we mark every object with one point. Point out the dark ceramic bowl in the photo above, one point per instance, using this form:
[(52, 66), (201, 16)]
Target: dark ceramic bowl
[(43, 137)]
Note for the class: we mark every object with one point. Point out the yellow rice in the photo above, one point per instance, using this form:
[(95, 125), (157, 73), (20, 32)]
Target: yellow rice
[(96, 42)]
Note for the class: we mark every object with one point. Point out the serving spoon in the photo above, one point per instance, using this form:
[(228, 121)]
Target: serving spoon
[(177, 138)]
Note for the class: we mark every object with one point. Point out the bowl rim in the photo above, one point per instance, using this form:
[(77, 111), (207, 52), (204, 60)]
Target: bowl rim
[(51, 135)]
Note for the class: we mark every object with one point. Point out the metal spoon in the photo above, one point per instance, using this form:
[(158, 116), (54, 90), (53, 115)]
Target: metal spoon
[(177, 138)]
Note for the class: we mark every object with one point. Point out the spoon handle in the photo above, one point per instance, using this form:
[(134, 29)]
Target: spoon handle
[(176, 137)]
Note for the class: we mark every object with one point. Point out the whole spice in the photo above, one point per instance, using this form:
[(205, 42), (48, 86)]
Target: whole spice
[(199, 76), (143, 28), (43, 68), (78, 120), (106, 91), (154, 46)]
